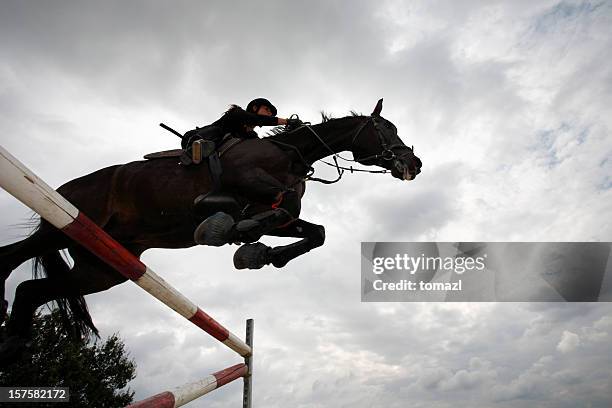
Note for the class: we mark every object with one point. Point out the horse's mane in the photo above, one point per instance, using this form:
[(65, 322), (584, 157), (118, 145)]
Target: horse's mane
[(325, 118)]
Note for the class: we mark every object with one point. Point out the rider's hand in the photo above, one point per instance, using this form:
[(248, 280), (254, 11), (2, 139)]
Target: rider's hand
[(293, 123)]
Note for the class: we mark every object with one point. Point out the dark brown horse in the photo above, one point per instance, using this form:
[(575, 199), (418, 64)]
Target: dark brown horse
[(150, 204)]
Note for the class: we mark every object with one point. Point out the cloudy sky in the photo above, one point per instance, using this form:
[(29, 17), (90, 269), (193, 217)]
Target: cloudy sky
[(504, 102)]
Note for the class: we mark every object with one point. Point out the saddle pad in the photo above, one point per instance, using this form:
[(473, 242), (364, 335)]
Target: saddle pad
[(227, 145), (164, 154)]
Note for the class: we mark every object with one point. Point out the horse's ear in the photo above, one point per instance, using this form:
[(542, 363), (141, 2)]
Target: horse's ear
[(378, 108)]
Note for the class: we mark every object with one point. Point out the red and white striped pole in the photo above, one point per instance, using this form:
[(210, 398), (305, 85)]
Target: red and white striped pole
[(182, 395), (19, 181)]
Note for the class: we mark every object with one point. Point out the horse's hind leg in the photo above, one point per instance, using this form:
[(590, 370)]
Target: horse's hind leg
[(255, 256), (88, 275), (44, 240)]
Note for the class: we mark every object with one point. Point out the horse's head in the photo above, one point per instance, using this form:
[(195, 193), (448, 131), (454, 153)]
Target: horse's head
[(376, 143)]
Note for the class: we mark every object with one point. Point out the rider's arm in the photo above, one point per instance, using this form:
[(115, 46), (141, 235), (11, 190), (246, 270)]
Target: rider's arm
[(240, 117)]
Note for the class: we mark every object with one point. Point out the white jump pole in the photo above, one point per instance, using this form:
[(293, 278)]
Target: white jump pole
[(22, 183)]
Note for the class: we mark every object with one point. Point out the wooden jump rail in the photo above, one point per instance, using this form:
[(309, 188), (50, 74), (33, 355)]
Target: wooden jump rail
[(24, 185), (182, 395)]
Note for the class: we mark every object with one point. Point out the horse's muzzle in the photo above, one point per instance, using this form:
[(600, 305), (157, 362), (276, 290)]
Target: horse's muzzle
[(407, 175), (407, 169)]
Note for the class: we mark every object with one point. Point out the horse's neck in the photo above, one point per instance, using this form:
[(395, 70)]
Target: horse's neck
[(335, 136)]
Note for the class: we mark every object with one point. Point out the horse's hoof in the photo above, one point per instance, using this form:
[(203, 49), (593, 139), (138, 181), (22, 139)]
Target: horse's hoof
[(13, 349), (251, 256), (277, 259), (215, 230)]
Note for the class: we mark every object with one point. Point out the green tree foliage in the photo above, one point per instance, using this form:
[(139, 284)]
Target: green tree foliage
[(96, 373)]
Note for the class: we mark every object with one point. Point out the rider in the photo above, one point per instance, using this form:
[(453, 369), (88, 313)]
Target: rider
[(238, 123)]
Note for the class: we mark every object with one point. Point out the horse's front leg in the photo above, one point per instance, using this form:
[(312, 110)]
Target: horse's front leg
[(283, 208), (255, 256)]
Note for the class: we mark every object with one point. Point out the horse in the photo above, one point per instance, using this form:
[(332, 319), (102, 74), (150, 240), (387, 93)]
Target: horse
[(150, 204)]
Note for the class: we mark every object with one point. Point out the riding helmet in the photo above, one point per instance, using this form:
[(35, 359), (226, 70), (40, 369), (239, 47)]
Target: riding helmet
[(261, 102)]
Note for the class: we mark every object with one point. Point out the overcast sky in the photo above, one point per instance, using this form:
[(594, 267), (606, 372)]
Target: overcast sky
[(506, 103)]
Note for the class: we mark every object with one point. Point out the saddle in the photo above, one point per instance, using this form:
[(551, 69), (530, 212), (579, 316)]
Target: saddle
[(201, 150)]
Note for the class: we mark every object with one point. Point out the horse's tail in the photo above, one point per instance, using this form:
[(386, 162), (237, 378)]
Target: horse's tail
[(73, 310)]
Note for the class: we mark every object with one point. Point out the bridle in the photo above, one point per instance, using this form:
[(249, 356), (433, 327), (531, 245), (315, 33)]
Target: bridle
[(385, 154)]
